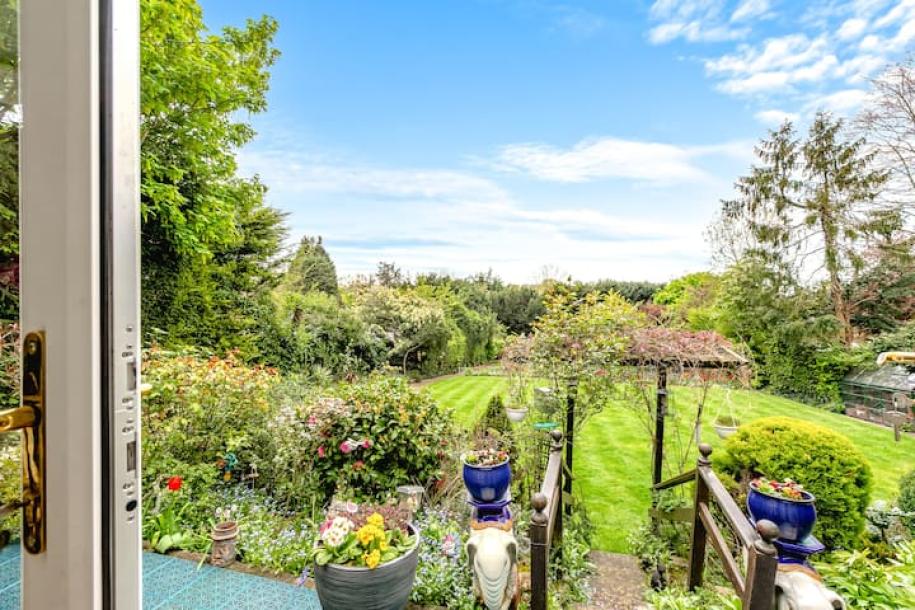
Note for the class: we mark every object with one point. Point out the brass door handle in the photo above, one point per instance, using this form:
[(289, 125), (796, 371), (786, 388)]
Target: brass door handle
[(29, 420), (17, 419)]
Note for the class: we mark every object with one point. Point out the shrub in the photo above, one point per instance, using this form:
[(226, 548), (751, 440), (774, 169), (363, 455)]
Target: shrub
[(907, 492), (495, 418), (9, 366), (442, 577), (211, 411), (826, 463), (370, 437)]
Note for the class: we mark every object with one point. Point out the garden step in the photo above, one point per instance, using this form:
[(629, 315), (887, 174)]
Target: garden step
[(618, 583)]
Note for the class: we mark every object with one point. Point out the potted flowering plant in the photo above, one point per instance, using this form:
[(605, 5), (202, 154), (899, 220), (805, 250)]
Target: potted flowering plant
[(365, 558), (487, 473), (785, 503)]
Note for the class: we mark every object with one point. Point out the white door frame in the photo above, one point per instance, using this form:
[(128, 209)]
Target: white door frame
[(79, 273)]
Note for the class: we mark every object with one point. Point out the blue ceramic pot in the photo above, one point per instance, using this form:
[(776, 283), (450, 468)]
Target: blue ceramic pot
[(795, 518), (487, 483)]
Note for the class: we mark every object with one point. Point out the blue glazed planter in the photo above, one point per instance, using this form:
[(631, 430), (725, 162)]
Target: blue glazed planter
[(487, 483), (795, 518)]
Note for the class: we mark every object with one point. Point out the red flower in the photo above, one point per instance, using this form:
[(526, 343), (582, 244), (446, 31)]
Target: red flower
[(321, 451), (174, 483), (367, 443)]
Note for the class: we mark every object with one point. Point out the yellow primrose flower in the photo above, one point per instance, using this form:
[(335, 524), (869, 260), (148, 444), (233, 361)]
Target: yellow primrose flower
[(383, 546), (372, 559), (376, 520), (365, 534)]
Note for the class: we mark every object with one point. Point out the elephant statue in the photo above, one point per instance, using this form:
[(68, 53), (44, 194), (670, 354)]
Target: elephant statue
[(493, 555), (800, 588)]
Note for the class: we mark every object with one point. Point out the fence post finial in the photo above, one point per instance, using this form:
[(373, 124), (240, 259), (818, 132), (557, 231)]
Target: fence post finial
[(705, 450), (768, 532), (539, 503), (556, 435)]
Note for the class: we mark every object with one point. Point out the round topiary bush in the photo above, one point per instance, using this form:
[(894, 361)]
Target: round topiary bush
[(826, 463)]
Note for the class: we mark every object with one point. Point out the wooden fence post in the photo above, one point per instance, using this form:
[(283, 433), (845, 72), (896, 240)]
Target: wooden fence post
[(540, 552), (699, 539), (762, 567)]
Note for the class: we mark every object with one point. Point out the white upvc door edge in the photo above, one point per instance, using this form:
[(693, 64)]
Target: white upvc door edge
[(62, 282)]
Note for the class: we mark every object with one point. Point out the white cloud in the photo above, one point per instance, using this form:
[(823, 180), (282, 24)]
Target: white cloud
[(775, 117), (840, 102), (851, 28), (694, 21), (604, 158), (749, 9)]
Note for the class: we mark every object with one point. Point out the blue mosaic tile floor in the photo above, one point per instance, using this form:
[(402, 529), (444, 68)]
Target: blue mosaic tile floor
[(170, 583)]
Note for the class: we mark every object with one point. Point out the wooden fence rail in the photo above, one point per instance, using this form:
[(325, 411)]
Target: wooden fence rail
[(546, 523), (755, 587)]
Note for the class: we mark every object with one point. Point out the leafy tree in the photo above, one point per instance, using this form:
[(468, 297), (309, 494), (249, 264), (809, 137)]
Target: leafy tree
[(888, 122), (9, 160), (311, 269), (209, 242), (517, 307), (583, 340), (390, 275), (690, 300), (816, 199), (789, 328)]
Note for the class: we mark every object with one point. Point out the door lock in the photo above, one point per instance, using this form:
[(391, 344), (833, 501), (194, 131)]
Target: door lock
[(29, 419)]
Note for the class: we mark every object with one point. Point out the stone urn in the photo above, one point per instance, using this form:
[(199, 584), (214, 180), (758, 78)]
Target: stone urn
[(225, 537)]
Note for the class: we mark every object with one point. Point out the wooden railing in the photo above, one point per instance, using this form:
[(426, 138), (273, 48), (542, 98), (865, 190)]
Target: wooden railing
[(755, 586), (546, 523)]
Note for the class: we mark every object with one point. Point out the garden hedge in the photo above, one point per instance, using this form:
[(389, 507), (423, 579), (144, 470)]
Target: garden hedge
[(826, 463)]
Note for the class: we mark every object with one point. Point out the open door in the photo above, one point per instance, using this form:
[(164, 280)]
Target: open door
[(79, 274)]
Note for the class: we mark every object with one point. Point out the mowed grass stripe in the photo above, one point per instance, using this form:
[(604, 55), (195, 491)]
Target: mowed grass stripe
[(467, 395)]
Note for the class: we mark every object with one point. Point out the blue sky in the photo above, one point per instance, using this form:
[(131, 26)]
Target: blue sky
[(591, 137)]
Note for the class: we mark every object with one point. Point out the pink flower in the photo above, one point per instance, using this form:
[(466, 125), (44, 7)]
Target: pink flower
[(367, 443), (321, 452), (312, 421), (345, 447), (325, 525), (358, 465)]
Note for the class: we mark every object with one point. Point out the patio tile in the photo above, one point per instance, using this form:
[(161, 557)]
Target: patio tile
[(9, 597)]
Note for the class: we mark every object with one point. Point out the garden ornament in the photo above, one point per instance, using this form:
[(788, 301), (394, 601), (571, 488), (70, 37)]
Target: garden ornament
[(800, 588), (493, 555)]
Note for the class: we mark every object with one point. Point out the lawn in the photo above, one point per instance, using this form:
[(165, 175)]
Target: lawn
[(613, 454)]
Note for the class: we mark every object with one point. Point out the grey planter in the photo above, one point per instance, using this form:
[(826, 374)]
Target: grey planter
[(387, 587)]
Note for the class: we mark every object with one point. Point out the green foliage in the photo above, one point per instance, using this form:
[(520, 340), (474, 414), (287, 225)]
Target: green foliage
[(311, 269), (209, 243), (907, 493), (570, 568), (201, 411), (304, 332), (702, 599), (9, 160), (10, 486), (788, 328), (10, 358), (495, 418), (583, 340), (517, 307), (869, 585), (826, 463), (370, 437), (690, 301), (634, 292)]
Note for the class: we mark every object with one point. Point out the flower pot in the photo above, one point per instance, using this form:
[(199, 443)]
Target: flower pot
[(795, 518), (487, 483), (725, 431), (224, 536), (516, 415), (386, 587)]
